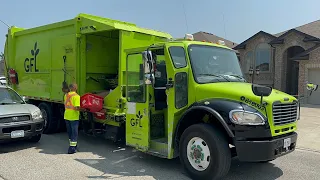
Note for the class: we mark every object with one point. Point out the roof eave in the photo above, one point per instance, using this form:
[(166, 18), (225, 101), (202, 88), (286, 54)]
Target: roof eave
[(240, 47), (299, 58), (243, 44)]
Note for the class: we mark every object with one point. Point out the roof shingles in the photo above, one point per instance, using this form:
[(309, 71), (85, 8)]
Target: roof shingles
[(200, 36), (312, 28)]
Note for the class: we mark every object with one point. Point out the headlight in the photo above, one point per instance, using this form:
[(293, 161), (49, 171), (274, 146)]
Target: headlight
[(36, 115), (246, 118)]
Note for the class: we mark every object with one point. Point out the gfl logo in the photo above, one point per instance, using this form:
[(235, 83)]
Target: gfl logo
[(137, 121), (32, 62)]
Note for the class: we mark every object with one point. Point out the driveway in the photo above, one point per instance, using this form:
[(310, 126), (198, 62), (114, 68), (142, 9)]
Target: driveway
[(309, 128)]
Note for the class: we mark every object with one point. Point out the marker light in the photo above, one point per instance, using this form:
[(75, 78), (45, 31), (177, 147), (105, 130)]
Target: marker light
[(188, 37), (221, 42)]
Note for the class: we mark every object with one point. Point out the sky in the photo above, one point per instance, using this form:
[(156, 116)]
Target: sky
[(235, 20)]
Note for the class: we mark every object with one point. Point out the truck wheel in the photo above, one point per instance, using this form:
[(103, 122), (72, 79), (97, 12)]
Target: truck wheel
[(61, 121), (35, 138), (204, 152), (51, 124)]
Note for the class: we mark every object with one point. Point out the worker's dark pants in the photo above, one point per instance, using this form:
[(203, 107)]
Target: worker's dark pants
[(72, 129)]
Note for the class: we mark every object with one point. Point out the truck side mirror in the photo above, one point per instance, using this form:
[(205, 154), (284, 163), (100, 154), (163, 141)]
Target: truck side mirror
[(312, 87), (261, 91), (148, 61)]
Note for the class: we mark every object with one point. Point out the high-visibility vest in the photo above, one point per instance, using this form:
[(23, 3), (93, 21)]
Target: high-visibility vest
[(68, 103)]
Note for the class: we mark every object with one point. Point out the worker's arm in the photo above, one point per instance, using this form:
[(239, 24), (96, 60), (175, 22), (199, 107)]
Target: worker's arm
[(77, 104)]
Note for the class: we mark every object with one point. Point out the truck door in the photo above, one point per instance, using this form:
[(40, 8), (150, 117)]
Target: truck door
[(176, 88), (137, 94)]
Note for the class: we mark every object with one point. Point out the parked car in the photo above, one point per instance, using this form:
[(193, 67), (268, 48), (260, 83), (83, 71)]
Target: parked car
[(3, 80), (18, 120)]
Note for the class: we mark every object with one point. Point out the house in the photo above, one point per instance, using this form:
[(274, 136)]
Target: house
[(285, 61)]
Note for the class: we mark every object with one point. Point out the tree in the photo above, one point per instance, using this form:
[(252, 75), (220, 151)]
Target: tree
[(1, 56)]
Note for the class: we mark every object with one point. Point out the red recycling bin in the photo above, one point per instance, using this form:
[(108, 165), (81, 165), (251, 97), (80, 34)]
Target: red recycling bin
[(92, 102)]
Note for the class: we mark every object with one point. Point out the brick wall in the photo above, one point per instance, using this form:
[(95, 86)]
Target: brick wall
[(279, 61), (292, 39), (264, 77), (304, 67)]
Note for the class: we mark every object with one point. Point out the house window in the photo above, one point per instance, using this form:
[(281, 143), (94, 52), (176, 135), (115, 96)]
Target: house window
[(248, 60), (263, 56)]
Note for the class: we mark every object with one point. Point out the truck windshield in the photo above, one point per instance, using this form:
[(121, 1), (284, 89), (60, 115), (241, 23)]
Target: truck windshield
[(8, 96), (214, 64)]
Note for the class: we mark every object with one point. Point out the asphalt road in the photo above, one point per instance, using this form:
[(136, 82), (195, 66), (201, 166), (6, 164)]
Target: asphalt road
[(101, 159)]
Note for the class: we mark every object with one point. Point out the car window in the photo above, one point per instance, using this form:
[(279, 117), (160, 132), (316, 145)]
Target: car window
[(8, 96)]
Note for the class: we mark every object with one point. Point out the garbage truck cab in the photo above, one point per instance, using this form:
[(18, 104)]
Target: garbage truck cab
[(190, 99)]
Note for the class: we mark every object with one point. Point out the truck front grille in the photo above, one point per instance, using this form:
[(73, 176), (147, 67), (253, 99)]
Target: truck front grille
[(14, 119), (284, 113)]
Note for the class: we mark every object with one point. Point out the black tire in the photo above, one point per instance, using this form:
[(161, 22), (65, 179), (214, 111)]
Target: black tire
[(51, 123), (62, 123), (216, 142), (35, 138)]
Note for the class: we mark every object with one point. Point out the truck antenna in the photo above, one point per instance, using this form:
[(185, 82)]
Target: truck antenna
[(185, 16), (224, 27), (5, 23)]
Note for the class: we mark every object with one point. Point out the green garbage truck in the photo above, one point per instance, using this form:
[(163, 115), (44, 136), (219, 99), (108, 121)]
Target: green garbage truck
[(163, 96)]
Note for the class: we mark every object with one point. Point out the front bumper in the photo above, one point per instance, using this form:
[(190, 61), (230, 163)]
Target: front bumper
[(30, 128), (264, 150)]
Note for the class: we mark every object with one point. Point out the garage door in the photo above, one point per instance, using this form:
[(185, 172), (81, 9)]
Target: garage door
[(314, 77)]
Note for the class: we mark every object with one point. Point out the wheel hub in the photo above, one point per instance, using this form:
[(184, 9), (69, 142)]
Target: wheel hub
[(198, 154)]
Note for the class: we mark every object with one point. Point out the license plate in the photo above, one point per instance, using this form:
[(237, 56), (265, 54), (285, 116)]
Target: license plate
[(287, 142), (17, 134)]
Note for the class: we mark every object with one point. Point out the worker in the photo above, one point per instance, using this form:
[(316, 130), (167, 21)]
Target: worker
[(71, 116)]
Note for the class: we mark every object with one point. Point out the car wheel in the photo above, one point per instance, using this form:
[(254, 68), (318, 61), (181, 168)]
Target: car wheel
[(35, 138), (51, 124), (204, 152)]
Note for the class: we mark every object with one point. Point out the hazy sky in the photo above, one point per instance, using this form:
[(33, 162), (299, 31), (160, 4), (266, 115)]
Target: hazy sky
[(242, 19)]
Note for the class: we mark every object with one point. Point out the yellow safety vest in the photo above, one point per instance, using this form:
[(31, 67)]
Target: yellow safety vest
[(71, 100)]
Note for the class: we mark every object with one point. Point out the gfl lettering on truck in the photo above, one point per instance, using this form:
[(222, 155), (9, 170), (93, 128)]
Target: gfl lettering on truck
[(163, 96)]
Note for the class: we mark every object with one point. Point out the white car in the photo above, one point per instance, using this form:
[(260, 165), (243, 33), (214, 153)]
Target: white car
[(18, 120), (3, 80)]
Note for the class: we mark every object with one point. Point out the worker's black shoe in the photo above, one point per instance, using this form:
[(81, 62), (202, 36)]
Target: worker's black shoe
[(71, 150)]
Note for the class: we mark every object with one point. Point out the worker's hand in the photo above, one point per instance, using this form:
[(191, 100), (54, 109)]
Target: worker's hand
[(84, 109)]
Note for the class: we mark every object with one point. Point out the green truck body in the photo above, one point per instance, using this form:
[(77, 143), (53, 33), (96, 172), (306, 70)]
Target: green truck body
[(162, 96)]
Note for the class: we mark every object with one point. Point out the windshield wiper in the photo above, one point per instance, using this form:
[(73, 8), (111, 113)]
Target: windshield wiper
[(235, 75), (216, 75)]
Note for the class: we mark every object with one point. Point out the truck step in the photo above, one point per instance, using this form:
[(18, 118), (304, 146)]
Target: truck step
[(159, 147), (160, 140)]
